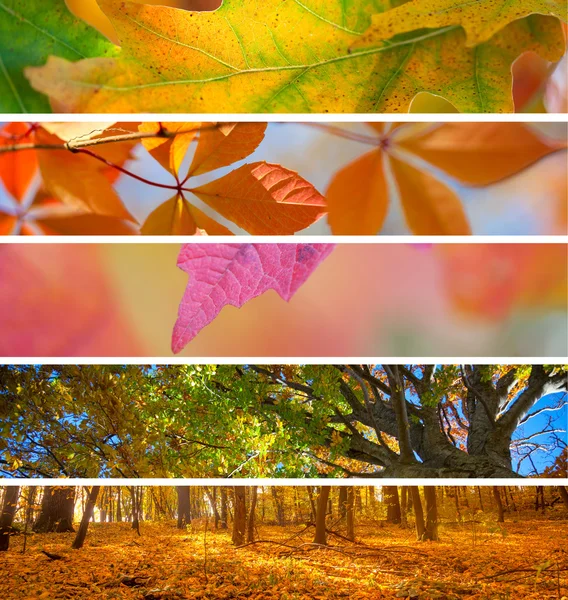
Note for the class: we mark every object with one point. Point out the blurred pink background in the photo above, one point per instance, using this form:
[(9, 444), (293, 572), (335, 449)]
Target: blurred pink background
[(364, 300)]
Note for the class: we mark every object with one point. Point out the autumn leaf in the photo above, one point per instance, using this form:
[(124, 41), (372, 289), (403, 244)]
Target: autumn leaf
[(169, 152), (287, 57), (221, 274), (79, 181), (471, 153), (177, 216), (264, 199), (259, 197), (481, 19), (30, 32), (49, 216), (17, 169)]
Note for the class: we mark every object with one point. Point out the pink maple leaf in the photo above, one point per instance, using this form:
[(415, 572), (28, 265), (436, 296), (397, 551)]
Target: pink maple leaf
[(221, 274)]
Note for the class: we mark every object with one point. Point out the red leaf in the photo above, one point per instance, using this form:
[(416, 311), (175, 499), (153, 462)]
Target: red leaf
[(221, 274)]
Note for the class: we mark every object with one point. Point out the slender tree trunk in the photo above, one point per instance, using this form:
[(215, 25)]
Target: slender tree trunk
[(183, 506), (312, 503), (349, 513), (214, 501), (7, 517), (499, 503), (342, 502), (418, 512), (393, 504), (119, 504), (278, 506), (321, 511), (56, 514), (224, 519), (431, 513), (250, 520), (87, 515), (457, 502), (240, 516), (135, 509), (563, 494), (513, 503), (480, 499), (372, 499), (404, 505)]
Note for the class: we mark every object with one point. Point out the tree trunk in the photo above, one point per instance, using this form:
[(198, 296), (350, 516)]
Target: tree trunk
[(7, 517), (56, 514), (250, 520), (119, 504), (498, 501), (312, 502), (418, 512), (393, 504), (240, 516), (349, 513), (135, 509), (224, 511), (183, 506), (87, 515), (431, 513), (321, 511), (480, 499), (342, 502), (564, 495), (403, 505), (278, 507)]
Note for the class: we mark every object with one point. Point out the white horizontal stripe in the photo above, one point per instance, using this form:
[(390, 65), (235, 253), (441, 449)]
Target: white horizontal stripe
[(279, 360), (287, 482), (296, 118)]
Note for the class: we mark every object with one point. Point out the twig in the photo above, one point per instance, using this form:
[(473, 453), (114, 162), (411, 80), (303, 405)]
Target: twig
[(74, 145)]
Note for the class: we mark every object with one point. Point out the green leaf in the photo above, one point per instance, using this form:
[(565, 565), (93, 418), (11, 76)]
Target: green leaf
[(296, 56), (30, 32)]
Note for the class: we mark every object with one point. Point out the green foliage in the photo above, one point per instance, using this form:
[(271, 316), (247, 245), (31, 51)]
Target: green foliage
[(30, 32)]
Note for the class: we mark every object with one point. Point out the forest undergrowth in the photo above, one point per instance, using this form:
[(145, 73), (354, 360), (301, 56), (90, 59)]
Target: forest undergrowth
[(525, 558)]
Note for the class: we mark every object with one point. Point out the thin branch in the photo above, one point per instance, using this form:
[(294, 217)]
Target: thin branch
[(75, 145)]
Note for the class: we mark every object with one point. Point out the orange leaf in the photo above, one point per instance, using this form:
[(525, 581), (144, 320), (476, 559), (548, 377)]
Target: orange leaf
[(7, 223), (85, 224), (78, 180), (227, 144), (177, 216), (480, 153), (430, 206), (16, 168), (169, 152), (357, 197), (264, 199)]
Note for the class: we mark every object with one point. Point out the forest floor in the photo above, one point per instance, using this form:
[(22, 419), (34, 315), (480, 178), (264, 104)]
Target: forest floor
[(526, 559)]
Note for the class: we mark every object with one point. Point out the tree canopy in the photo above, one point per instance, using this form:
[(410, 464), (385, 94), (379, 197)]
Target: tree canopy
[(283, 421)]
